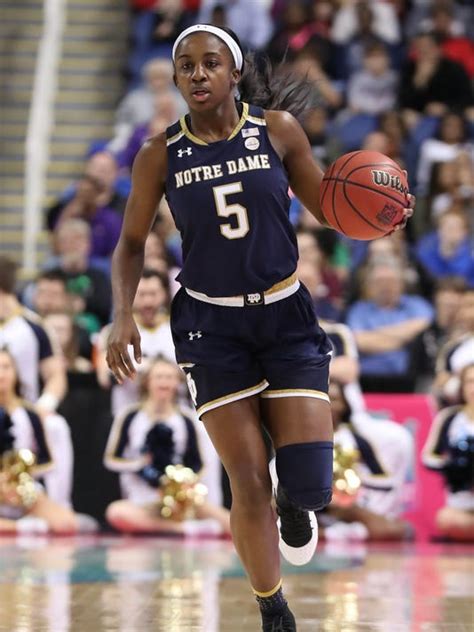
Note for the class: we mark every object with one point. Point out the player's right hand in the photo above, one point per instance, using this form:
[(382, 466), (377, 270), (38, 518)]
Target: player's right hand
[(124, 332)]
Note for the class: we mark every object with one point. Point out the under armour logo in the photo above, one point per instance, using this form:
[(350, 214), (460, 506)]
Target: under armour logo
[(188, 151), (253, 299), (194, 334)]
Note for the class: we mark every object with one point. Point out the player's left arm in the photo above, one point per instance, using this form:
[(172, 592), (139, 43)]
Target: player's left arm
[(304, 173)]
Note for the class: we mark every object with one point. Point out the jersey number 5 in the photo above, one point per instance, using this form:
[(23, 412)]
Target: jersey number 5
[(226, 210)]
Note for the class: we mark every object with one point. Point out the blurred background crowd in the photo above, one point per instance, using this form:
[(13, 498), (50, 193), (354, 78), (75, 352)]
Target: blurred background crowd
[(394, 76)]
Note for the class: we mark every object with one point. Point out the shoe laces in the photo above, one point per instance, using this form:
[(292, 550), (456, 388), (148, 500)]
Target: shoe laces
[(295, 525)]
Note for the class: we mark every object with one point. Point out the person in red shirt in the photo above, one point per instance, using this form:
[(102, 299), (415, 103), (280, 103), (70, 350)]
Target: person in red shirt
[(455, 46)]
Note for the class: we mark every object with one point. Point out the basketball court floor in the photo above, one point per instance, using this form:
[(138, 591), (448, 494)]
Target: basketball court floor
[(105, 584)]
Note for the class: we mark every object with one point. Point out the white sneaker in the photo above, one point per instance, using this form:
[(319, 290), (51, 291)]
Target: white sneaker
[(298, 528)]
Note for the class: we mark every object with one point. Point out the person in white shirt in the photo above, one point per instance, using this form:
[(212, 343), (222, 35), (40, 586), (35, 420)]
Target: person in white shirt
[(373, 90), (22, 428), (348, 20), (150, 307), (452, 141), (42, 375), (144, 439)]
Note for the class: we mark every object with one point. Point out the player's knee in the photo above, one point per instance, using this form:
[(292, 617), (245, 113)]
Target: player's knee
[(305, 473), (250, 488)]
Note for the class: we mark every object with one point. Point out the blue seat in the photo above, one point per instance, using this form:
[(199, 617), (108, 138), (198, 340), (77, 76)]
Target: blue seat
[(352, 131)]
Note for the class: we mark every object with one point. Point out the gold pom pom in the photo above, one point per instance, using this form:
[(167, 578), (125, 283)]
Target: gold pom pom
[(181, 493), (17, 485), (346, 482)]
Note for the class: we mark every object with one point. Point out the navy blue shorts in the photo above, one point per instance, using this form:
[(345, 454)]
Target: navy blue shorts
[(228, 353)]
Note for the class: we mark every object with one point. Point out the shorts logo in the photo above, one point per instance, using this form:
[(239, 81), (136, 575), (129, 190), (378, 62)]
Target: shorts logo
[(192, 388), (385, 179), (253, 299), (194, 334), (387, 215), (188, 151)]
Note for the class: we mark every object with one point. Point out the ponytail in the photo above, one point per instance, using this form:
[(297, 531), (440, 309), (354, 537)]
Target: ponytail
[(276, 89)]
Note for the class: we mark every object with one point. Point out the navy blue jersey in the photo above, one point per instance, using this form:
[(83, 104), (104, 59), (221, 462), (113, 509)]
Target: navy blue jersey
[(230, 202)]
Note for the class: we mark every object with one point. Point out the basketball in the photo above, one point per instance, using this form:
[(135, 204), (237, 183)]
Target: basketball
[(363, 195)]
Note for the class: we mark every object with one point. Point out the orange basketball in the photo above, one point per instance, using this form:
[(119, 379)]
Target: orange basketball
[(363, 195)]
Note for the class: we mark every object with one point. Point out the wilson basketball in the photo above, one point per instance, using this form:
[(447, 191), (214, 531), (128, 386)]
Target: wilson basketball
[(363, 195)]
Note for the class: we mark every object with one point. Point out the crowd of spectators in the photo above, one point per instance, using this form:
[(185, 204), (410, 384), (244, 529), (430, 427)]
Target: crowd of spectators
[(392, 76)]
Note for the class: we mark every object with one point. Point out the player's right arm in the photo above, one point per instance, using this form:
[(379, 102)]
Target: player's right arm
[(148, 185)]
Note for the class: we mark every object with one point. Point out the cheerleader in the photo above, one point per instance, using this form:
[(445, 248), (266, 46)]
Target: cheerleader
[(450, 450), (144, 439), (382, 464), (21, 427)]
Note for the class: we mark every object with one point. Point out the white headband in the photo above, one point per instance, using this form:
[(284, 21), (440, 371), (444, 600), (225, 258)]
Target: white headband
[(220, 33)]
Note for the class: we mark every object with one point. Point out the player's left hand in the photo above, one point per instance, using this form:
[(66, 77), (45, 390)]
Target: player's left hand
[(407, 212)]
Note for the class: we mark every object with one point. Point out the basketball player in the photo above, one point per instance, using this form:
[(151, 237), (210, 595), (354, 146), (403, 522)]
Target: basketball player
[(243, 326)]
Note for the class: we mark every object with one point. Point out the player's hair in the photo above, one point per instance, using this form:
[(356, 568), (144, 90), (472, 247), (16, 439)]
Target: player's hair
[(279, 89), (274, 89), (7, 275)]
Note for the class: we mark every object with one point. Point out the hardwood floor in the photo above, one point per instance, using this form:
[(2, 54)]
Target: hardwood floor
[(116, 584)]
